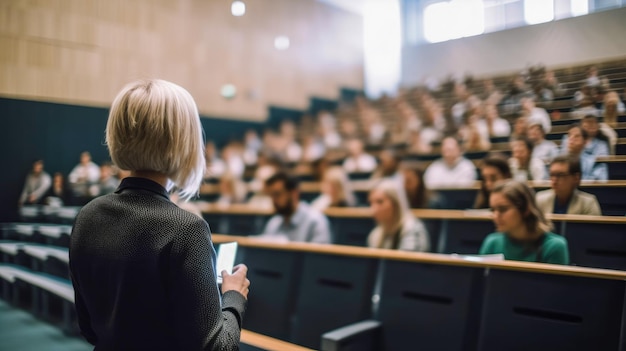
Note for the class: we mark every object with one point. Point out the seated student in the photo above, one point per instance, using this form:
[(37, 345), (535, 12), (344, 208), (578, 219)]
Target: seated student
[(36, 185), (612, 107), (564, 197), (452, 170), (493, 169), (493, 126), (358, 161), (59, 193), (417, 194), (336, 191), (523, 166), (107, 183), (543, 149), (536, 114), (396, 228), (523, 232), (389, 166), (598, 143), (294, 220), (85, 174), (575, 147), (232, 190)]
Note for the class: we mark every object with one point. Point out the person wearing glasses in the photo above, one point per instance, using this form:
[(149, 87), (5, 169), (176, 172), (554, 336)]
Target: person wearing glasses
[(523, 232), (564, 196)]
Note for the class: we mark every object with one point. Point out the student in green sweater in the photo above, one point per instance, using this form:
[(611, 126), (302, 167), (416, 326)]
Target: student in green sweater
[(523, 232)]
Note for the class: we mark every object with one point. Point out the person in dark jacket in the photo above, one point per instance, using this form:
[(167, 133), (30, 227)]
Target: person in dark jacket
[(143, 269)]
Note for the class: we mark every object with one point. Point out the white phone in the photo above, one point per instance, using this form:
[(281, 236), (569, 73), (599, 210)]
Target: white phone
[(226, 254)]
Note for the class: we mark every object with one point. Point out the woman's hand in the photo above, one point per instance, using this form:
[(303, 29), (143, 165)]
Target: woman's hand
[(237, 280)]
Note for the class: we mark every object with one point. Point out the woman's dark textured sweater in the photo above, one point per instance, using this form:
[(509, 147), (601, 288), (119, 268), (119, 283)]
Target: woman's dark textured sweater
[(144, 275)]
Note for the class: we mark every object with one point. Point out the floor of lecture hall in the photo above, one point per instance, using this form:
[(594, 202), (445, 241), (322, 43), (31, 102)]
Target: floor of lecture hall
[(21, 331)]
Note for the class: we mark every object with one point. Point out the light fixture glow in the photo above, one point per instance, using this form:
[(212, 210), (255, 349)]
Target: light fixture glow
[(238, 8), (228, 91), (281, 42)]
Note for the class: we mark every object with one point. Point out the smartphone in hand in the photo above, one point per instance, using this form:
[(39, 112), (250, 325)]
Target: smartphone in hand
[(226, 254)]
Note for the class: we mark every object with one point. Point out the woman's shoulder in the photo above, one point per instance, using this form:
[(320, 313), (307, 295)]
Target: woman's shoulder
[(495, 238), (555, 239)]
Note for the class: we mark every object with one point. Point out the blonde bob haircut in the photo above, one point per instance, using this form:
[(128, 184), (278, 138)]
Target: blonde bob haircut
[(154, 125), (523, 199)]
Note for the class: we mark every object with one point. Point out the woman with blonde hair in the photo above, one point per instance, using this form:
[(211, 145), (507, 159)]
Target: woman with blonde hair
[(396, 228), (143, 269), (611, 108), (336, 190), (523, 232)]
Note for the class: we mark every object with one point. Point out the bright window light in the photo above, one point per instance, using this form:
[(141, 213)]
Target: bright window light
[(436, 22), (238, 8), (579, 7), (281, 42), (382, 47), (453, 19), (538, 11), (469, 17)]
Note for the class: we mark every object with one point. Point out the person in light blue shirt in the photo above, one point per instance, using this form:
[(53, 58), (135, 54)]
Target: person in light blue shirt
[(576, 147), (294, 220)]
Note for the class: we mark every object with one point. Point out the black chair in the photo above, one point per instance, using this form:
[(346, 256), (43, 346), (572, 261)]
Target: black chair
[(611, 198), (600, 245), (422, 307), (334, 291), (458, 199), (617, 170), (351, 231), (359, 175), (533, 311), (241, 224), (275, 275), (464, 236)]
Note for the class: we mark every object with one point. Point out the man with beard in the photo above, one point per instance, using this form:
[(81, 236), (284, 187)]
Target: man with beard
[(294, 220)]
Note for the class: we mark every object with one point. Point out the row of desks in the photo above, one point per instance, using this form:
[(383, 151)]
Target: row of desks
[(611, 194), (594, 241), (303, 293)]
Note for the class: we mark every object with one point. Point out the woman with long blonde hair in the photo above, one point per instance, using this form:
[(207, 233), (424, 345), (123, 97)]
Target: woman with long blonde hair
[(396, 227)]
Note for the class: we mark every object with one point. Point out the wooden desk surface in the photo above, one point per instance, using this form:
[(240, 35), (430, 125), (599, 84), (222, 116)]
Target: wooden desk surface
[(421, 257), (268, 343), (366, 185)]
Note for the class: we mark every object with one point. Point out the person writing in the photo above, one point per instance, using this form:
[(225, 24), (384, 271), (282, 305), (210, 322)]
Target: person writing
[(523, 232), (143, 269)]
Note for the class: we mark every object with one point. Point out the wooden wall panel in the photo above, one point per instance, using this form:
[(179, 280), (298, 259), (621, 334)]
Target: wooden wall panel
[(83, 52)]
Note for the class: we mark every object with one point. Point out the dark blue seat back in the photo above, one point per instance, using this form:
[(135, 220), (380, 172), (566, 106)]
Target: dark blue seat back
[(532, 311), (351, 231), (600, 245), (274, 279), (334, 291), (429, 307), (465, 236)]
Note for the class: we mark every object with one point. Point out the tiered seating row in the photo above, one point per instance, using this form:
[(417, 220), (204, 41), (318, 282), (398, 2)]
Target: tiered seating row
[(392, 300), (594, 241)]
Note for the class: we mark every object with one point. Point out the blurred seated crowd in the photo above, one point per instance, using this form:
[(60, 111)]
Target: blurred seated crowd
[(378, 142)]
